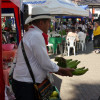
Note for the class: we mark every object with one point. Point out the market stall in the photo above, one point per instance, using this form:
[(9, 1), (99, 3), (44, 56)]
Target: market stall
[(8, 54), (8, 57), (9, 7), (6, 6), (2, 86)]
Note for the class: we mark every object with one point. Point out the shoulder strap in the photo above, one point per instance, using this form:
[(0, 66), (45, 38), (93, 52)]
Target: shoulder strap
[(27, 62)]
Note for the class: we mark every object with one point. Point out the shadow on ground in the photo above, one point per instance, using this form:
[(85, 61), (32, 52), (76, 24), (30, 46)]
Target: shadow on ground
[(89, 48), (86, 92)]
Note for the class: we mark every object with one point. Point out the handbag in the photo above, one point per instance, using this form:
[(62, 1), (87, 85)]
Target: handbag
[(43, 90)]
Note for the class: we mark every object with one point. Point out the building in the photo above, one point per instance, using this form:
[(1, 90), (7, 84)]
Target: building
[(94, 6)]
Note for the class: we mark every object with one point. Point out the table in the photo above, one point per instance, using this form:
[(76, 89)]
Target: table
[(55, 41), (6, 76)]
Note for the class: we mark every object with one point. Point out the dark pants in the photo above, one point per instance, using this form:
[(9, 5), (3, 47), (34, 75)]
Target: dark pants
[(96, 42), (90, 34), (23, 90)]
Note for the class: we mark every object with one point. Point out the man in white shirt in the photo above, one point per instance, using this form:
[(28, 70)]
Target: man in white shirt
[(36, 52)]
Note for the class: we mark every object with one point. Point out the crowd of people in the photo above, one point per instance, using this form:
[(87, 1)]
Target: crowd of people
[(90, 31), (80, 30), (77, 27)]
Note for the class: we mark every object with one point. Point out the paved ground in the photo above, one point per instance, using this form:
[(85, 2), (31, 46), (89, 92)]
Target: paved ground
[(87, 86)]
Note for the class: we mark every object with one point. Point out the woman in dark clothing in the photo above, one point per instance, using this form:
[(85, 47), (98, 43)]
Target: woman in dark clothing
[(90, 30)]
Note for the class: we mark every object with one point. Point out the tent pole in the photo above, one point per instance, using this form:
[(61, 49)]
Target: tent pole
[(2, 85)]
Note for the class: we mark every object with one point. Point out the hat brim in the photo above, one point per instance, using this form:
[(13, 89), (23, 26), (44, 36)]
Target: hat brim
[(29, 19)]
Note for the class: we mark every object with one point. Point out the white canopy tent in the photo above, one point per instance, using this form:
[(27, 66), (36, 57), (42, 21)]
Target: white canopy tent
[(58, 7)]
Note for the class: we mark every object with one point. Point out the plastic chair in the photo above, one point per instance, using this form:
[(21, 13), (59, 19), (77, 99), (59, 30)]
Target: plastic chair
[(82, 42), (71, 43)]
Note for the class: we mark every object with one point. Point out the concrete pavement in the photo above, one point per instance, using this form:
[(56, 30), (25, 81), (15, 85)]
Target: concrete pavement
[(87, 86)]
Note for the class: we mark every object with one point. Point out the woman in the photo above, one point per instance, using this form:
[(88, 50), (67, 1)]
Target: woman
[(96, 33)]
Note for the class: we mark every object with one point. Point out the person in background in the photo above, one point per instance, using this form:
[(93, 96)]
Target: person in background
[(7, 34), (69, 22), (12, 40), (76, 25), (96, 33), (35, 47), (84, 27), (90, 30), (64, 25), (72, 33), (79, 25), (81, 34)]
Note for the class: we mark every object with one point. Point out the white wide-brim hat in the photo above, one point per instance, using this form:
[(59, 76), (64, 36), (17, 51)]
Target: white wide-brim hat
[(38, 13)]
